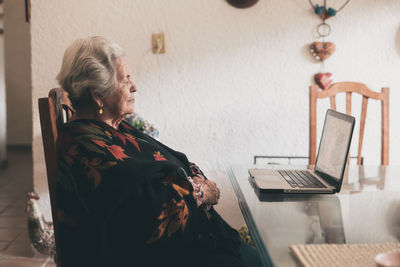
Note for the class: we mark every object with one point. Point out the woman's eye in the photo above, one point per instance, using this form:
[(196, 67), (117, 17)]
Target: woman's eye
[(128, 80)]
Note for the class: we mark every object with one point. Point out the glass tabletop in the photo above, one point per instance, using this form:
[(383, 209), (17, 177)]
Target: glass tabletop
[(367, 210)]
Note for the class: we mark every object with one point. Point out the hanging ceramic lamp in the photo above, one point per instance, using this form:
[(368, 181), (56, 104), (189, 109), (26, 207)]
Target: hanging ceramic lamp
[(242, 3)]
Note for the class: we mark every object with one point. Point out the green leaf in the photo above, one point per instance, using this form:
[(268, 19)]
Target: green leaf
[(94, 130), (92, 147), (91, 136)]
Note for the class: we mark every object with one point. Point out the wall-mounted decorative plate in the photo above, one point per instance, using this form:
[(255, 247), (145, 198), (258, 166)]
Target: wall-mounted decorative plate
[(242, 3)]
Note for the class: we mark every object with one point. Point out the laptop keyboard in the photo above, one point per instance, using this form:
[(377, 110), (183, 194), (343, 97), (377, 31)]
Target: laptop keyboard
[(301, 179)]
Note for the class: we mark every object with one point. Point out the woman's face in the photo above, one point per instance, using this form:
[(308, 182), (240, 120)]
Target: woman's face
[(121, 102)]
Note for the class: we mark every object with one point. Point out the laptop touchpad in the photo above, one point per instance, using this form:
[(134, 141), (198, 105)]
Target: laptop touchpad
[(269, 181)]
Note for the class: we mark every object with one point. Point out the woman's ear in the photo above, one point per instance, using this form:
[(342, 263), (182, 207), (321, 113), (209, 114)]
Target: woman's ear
[(96, 99)]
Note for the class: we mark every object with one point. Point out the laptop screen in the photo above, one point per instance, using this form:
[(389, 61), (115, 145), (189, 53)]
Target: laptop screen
[(334, 144)]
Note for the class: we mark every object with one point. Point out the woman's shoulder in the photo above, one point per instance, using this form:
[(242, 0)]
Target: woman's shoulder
[(86, 132), (83, 124), (86, 127), (83, 130)]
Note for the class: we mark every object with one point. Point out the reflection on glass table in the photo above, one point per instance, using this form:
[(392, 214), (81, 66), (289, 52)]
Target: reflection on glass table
[(367, 210)]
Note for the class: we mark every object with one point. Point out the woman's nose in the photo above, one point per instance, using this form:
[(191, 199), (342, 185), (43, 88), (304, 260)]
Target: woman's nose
[(133, 87)]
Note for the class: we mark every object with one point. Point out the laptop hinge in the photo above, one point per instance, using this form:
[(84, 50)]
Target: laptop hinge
[(328, 179)]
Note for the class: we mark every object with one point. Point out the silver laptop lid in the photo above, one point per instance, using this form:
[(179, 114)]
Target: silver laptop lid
[(334, 147)]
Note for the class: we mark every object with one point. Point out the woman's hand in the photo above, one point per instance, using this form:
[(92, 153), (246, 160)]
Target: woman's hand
[(210, 190)]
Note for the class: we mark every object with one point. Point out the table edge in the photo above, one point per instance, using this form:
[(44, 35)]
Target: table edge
[(265, 258)]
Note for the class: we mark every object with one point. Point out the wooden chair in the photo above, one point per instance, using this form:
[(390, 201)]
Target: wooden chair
[(54, 111), (349, 88)]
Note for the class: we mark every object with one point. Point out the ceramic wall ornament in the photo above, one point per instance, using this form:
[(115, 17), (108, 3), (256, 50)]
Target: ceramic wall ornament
[(323, 80), (326, 12), (321, 49)]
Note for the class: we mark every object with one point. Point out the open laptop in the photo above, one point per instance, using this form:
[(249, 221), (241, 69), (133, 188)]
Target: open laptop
[(329, 167)]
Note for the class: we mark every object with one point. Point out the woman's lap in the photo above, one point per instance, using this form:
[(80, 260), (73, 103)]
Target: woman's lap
[(250, 255)]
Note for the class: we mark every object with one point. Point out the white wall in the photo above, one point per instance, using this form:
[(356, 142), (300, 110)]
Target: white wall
[(233, 83), (17, 52)]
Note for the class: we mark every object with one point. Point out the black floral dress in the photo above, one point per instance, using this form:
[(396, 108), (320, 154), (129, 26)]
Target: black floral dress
[(124, 199)]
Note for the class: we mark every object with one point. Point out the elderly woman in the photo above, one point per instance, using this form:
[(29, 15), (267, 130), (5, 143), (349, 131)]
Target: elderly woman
[(124, 198)]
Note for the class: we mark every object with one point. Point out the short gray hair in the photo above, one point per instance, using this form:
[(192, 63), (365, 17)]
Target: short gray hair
[(89, 64)]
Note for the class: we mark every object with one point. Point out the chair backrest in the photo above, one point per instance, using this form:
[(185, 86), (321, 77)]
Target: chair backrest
[(54, 111), (349, 88)]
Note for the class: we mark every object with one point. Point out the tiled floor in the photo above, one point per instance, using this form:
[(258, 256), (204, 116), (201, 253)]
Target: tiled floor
[(15, 182)]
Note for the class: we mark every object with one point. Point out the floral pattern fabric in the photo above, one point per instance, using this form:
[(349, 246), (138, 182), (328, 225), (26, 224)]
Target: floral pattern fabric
[(124, 192)]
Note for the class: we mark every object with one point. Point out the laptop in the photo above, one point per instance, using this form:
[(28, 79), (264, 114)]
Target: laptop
[(330, 165)]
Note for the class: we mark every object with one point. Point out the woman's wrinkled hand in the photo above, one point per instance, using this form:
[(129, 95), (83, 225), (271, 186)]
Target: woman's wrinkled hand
[(210, 190)]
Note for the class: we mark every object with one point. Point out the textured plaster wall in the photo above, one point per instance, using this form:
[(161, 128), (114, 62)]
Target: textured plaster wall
[(17, 52), (233, 83)]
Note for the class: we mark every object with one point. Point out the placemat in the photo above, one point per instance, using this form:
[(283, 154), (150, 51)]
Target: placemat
[(328, 255)]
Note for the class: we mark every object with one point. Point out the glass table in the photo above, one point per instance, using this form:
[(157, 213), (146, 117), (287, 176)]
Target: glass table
[(367, 210)]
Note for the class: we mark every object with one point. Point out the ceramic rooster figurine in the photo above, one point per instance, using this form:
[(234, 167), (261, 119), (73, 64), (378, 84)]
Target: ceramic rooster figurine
[(40, 231)]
